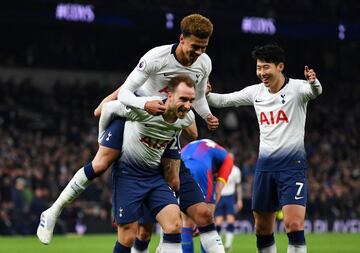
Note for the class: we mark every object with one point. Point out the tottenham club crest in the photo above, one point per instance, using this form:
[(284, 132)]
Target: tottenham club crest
[(142, 64)]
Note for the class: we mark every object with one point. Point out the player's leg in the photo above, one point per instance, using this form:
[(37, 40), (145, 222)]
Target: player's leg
[(230, 212), (219, 214), (144, 232), (230, 228), (127, 208), (264, 205), (192, 203), (264, 227), (163, 205), (143, 237), (187, 234), (293, 192), (126, 234), (108, 152)]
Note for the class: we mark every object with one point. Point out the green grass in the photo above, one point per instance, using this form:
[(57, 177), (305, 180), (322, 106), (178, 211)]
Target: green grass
[(317, 243)]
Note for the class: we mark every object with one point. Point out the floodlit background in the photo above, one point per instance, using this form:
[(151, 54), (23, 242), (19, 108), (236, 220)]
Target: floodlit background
[(59, 59)]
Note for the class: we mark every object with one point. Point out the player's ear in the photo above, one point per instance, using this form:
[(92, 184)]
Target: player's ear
[(181, 39), (280, 66)]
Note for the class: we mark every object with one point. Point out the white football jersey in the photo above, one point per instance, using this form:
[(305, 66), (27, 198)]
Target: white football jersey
[(153, 72), (233, 179), (281, 117), (145, 138)]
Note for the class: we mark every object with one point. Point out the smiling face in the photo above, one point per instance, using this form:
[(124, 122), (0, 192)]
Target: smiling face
[(181, 100), (190, 48), (270, 74)]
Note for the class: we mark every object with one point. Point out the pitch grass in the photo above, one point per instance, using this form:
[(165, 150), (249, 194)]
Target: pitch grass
[(317, 243)]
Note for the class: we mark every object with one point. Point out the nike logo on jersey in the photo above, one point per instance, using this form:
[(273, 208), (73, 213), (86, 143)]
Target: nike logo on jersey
[(258, 101), (168, 74), (298, 197)]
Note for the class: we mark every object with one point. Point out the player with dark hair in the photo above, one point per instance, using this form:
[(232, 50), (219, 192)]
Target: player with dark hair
[(280, 176)]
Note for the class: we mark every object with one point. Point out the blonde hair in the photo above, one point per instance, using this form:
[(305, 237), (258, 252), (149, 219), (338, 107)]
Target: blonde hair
[(197, 25)]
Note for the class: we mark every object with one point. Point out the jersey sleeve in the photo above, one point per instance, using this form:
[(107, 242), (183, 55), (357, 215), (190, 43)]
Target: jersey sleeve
[(201, 104), (310, 91), (148, 65), (225, 169), (237, 98)]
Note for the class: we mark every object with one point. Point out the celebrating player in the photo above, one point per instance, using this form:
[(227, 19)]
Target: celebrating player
[(149, 78), (280, 176)]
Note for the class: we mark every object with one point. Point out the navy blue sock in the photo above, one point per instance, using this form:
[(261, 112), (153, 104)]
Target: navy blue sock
[(141, 245), (296, 238), (187, 243), (264, 241), (119, 248), (172, 238), (207, 228), (230, 228), (89, 171)]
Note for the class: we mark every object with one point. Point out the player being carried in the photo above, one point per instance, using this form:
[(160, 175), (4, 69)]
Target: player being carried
[(280, 175), (149, 78)]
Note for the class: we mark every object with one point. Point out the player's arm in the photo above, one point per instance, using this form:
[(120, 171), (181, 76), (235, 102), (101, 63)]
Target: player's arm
[(191, 131), (170, 163), (239, 202), (223, 175), (314, 89), (237, 98), (145, 68), (112, 96), (218, 188), (201, 105)]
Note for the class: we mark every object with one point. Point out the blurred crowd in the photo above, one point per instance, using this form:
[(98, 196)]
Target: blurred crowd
[(46, 135)]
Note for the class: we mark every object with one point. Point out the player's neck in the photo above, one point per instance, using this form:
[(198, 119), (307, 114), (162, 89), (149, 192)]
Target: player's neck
[(180, 57), (280, 82), (169, 116)]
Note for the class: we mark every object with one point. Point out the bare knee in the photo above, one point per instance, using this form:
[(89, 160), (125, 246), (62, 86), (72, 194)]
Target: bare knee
[(127, 234), (203, 216), (173, 227), (293, 225)]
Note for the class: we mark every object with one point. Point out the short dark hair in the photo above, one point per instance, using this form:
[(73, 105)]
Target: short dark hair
[(182, 78), (197, 25), (271, 53)]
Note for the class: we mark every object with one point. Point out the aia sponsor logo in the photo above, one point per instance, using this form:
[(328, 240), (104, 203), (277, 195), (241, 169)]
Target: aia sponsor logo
[(272, 118)]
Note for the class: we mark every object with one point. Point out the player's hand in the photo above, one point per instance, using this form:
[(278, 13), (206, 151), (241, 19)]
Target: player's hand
[(212, 122), (310, 75), (239, 205), (208, 88), (155, 107)]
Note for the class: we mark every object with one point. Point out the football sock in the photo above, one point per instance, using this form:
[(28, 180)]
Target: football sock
[(73, 189), (297, 243), (187, 240), (266, 243), (229, 235), (119, 248), (210, 239), (140, 246), (171, 243)]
